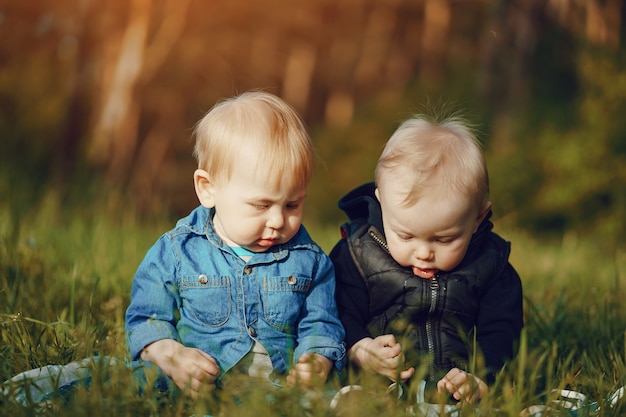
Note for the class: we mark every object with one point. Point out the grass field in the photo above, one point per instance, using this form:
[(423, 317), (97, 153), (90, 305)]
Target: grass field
[(65, 277)]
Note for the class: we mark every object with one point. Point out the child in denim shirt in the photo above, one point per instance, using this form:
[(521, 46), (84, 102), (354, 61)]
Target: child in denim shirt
[(239, 284)]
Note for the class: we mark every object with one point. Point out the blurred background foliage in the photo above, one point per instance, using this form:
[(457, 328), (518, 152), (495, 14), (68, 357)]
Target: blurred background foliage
[(98, 99)]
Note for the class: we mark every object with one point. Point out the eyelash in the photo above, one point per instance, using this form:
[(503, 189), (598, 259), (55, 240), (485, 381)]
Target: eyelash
[(442, 241), (260, 207)]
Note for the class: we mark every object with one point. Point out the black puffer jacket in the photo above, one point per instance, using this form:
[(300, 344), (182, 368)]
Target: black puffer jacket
[(479, 302)]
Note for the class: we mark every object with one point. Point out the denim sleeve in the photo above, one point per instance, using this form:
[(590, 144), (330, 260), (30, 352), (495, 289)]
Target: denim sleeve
[(319, 328), (154, 301)]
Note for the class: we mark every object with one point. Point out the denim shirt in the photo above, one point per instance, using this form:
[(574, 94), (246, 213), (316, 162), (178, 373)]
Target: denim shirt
[(193, 288)]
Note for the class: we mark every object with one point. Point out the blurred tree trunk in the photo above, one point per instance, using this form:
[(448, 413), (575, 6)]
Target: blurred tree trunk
[(78, 43), (114, 136), (152, 154), (506, 62), (434, 41), (152, 147), (367, 60), (298, 74), (129, 63), (515, 31), (603, 23)]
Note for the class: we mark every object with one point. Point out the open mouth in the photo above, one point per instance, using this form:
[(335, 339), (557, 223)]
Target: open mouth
[(427, 273)]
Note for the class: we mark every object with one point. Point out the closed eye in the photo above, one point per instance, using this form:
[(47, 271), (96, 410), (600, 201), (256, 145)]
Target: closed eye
[(444, 240), (294, 206), (404, 237), (260, 207)]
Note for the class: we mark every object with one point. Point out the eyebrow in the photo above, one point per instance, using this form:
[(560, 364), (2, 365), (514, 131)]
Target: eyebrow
[(450, 232), (265, 199)]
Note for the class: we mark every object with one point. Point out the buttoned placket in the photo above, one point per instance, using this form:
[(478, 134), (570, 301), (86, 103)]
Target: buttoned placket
[(249, 309)]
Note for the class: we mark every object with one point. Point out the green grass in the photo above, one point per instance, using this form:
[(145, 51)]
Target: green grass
[(66, 273)]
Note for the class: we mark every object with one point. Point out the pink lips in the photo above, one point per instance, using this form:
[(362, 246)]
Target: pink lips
[(266, 242), (424, 273)]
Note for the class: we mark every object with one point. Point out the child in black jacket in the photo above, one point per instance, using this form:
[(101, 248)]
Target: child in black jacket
[(420, 274)]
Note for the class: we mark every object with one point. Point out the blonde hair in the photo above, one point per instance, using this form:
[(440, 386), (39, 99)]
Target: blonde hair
[(262, 122), (445, 153)]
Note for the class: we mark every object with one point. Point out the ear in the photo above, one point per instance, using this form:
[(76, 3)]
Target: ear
[(205, 189), (484, 210), (377, 194)]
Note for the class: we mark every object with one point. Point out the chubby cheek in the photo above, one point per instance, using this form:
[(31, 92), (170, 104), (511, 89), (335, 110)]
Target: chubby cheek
[(250, 228), (450, 259), (292, 225), (400, 254)]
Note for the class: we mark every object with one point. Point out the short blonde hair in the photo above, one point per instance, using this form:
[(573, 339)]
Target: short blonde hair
[(260, 121), (445, 153)]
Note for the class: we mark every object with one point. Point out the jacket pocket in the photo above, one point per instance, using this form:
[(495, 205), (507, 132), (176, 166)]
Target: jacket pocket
[(206, 298), (283, 298)]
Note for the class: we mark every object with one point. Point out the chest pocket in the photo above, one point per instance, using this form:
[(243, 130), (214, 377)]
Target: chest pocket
[(283, 298), (461, 303), (206, 298)]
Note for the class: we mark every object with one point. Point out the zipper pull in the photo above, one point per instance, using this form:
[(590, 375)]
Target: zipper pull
[(434, 284)]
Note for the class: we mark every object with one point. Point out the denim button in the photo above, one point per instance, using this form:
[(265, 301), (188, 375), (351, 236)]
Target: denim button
[(203, 279), (292, 280), (251, 331), (247, 270)]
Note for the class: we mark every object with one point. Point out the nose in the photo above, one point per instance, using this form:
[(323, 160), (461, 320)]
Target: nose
[(422, 251), (276, 218)]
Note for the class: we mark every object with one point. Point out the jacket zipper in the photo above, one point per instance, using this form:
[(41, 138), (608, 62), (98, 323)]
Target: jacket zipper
[(434, 288), (379, 240)]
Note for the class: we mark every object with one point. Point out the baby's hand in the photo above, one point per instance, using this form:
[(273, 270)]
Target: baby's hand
[(462, 385), (309, 369), (192, 370), (382, 355)]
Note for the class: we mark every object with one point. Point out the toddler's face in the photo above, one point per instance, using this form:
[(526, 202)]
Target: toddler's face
[(250, 212), (431, 235)]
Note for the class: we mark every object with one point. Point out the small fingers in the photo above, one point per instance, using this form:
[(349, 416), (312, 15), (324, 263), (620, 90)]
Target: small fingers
[(407, 373), (207, 363), (197, 387), (305, 358), (299, 375), (462, 385), (386, 340), (310, 368), (197, 381), (291, 379)]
